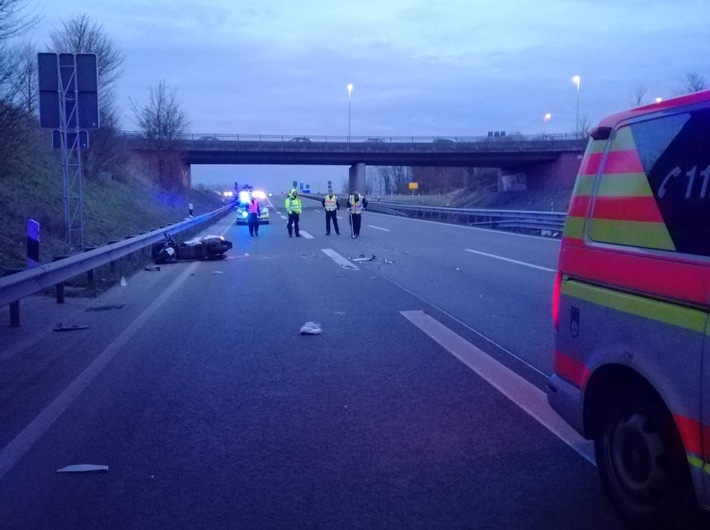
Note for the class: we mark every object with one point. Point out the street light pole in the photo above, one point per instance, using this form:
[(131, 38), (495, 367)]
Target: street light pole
[(576, 81), (544, 125), (350, 91)]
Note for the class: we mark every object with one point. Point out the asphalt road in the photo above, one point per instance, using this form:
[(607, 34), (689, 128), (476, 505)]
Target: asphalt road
[(195, 387)]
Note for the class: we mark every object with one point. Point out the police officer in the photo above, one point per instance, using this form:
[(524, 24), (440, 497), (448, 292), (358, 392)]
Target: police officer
[(254, 211), (356, 203), (331, 205), (293, 207)]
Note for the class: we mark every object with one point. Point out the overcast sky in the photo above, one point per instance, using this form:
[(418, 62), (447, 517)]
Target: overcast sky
[(419, 67)]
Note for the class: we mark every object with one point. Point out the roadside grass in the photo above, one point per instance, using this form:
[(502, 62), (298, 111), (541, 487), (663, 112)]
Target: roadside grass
[(112, 209)]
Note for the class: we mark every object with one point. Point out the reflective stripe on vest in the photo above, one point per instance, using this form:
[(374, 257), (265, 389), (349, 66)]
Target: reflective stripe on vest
[(254, 207), (330, 203), (294, 205), (356, 206)]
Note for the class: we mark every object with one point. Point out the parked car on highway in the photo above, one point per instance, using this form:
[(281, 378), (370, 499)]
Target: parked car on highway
[(300, 139), (630, 310)]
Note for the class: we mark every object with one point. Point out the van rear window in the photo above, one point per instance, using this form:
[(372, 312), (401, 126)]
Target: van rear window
[(655, 188)]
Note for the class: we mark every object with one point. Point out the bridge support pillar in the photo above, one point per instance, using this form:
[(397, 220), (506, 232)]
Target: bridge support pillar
[(356, 179)]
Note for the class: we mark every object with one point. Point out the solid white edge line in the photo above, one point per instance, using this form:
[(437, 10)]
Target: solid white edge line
[(340, 260), (32, 433), (525, 395), (378, 228), (511, 260)]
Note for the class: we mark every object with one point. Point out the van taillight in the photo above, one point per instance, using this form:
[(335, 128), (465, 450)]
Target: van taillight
[(556, 300)]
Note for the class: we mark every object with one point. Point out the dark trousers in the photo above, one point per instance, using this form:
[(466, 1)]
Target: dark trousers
[(357, 221), (334, 216), (293, 221), (253, 224)]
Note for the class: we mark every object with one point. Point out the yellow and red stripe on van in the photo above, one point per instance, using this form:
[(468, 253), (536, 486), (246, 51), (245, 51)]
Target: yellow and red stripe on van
[(623, 210), (696, 440)]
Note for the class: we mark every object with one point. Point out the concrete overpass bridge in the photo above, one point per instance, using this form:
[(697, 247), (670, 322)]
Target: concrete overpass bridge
[(554, 156)]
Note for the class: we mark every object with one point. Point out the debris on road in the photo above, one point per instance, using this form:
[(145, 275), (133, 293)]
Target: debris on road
[(82, 468), (109, 307), (216, 272), (387, 261), (363, 258), (62, 327), (123, 282), (311, 328), (153, 268), (339, 313)]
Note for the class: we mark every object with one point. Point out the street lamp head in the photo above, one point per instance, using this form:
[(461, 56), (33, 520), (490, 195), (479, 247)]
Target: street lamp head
[(576, 81), (658, 100), (350, 88), (548, 116)]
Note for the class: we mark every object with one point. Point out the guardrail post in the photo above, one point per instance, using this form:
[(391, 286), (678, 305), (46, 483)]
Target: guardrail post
[(60, 285), (14, 306), (15, 314), (90, 273)]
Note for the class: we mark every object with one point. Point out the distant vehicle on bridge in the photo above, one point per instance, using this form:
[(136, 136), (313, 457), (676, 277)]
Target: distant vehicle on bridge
[(300, 139)]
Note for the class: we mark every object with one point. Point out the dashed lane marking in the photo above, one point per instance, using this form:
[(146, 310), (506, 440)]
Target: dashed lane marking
[(511, 260), (520, 391), (340, 260), (305, 234)]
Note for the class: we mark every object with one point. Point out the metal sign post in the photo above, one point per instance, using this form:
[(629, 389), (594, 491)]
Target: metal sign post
[(68, 102)]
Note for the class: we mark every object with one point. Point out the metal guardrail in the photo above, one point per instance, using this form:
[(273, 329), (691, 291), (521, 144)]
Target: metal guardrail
[(21, 284), (499, 219)]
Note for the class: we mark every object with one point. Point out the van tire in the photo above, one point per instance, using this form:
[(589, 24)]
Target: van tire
[(642, 462)]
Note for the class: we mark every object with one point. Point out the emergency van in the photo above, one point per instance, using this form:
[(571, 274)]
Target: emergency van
[(630, 310)]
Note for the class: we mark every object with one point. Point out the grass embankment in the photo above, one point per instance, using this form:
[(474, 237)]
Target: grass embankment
[(113, 209)]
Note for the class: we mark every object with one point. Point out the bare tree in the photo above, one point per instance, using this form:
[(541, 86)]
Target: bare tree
[(691, 82), (25, 83), (162, 122), (14, 18), (80, 35), (637, 95), (16, 126)]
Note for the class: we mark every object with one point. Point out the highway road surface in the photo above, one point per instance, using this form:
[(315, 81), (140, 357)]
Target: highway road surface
[(420, 405)]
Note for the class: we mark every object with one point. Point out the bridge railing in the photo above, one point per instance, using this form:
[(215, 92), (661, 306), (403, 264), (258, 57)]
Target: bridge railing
[(547, 223), (24, 283), (303, 140)]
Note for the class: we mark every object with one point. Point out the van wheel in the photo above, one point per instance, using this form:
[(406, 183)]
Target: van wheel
[(642, 461)]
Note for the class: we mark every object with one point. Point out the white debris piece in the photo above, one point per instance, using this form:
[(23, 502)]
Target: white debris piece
[(311, 328), (82, 468), (217, 272), (123, 281)]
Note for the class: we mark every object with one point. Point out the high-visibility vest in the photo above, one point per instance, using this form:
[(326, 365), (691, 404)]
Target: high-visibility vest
[(331, 203), (356, 205), (254, 207), (293, 204)]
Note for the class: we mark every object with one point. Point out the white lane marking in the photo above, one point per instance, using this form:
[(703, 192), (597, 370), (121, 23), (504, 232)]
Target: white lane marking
[(521, 392), (305, 234), (283, 217), (340, 260), (31, 434), (440, 223), (378, 228), (511, 260)]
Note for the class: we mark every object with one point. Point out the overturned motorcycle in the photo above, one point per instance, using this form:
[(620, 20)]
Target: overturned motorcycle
[(204, 247)]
